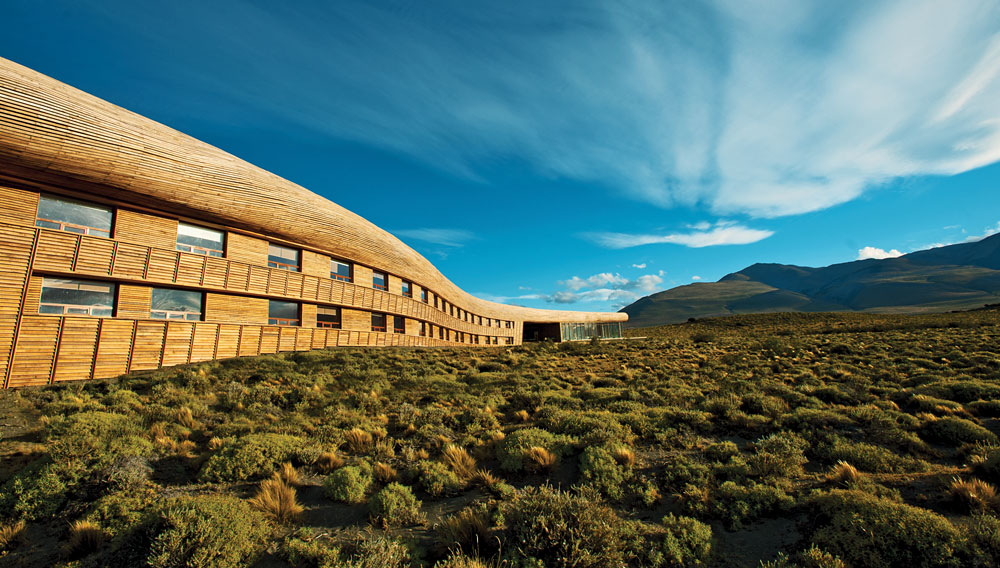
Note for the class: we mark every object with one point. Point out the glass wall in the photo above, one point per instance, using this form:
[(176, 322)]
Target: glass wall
[(200, 240), (582, 331), (73, 216), (176, 304), (77, 297)]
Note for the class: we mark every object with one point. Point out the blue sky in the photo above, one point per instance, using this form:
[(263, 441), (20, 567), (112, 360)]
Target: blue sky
[(576, 154)]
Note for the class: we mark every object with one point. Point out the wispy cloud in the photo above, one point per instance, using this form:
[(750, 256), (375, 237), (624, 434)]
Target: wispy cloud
[(605, 287), (738, 107), (639, 266), (877, 253), (723, 233), (443, 237)]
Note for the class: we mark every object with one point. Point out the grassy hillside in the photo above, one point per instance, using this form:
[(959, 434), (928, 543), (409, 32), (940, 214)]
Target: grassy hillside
[(793, 439)]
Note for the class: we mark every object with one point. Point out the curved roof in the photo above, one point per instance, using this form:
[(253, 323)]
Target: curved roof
[(55, 132)]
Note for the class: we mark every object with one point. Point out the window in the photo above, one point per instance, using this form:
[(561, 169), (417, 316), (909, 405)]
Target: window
[(199, 240), (176, 304), (435, 302), (423, 296), (282, 257), (407, 289), (380, 281), (77, 297), (398, 324), (509, 324), (282, 313), (328, 317), (440, 333), (73, 216), (340, 271), (378, 322), (423, 329)]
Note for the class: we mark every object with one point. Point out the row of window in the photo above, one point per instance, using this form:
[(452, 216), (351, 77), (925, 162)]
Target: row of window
[(90, 219), (65, 296)]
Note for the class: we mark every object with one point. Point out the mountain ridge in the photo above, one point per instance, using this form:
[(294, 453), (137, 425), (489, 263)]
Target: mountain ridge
[(959, 276)]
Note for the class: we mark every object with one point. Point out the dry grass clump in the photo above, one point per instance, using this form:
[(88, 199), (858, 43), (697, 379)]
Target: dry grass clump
[(459, 461), (329, 461), (624, 456), (288, 474), (215, 443), (540, 459), (276, 499), (973, 494), (85, 537), (384, 473), (358, 441), (483, 478), (11, 534), (522, 415), (468, 529), (844, 473), (185, 418)]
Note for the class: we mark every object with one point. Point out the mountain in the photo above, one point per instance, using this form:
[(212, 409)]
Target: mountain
[(946, 278)]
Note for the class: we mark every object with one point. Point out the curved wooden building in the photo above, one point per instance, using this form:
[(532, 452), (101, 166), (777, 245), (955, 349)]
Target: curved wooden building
[(127, 245)]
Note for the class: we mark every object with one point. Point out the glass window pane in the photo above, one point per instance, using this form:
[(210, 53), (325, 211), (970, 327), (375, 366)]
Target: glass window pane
[(277, 309), (68, 215), (340, 269), (175, 304), (64, 295), (207, 240)]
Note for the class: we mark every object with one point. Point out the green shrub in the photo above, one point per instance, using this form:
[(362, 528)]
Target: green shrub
[(983, 532), (721, 451), (255, 456), (736, 504), (599, 469), (687, 541), (374, 551), (778, 455), (866, 457), (563, 529), (121, 513), (437, 479), (875, 532), (39, 490), (394, 506), (955, 431), (510, 452), (215, 531), (349, 484), (98, 439), (306, 550), (684, 471), (589, 427)]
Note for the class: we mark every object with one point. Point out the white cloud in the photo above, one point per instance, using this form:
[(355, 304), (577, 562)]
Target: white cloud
[(877, 253), (604, 287), (444, 237), (696, 278), (724, 233), (602, 279), (766, 109), (639, 266)]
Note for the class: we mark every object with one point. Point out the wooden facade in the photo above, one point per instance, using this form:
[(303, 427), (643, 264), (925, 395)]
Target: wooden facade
[(59, 143)]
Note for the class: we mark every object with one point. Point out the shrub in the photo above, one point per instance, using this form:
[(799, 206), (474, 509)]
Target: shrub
[(39, 490), (374, 551), (600, 469), (276, 499), (778, 455), (217, 531), (254, 456), (511, 451), (349, 484), (121, 513), (954, 431), (865, 530), (394, 506), (737, 504), (98, 439), (563, 529), (437, 479), (687, 541), (867, 457), (306, 550), (984, 540)]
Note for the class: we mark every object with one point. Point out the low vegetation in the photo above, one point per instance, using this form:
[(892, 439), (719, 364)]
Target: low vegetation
[(778, 440)]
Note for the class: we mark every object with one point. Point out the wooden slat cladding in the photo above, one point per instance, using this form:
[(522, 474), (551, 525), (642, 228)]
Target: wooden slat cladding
[(77, 346), (18, 206), (35, 351), (226, 308), (134, 301), (114, 345), (148, 347), (315, 264), (177, 349), (143, 229), (246, 249)]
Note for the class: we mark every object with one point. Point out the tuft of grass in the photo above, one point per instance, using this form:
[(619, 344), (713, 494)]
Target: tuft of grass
[(358, 441), (522, 415), (277, 500), (844, 473), (541, 459), (185, 418), (459, 460), (973, 494), (11, 534), (215, 443), (384, 473), (329, 461), (624, 456), (484, 478), (469, 530), (288, 474), (85, 537)]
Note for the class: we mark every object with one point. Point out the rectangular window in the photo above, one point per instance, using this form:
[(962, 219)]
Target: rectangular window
[(407, 289), (281, 257), (328, 317), (176, 304), (73, 216), (282, 313), (77, 297), (199, 240), (340, 271), (378, 322), (398, 324), (423, 329), (380, 281), (423, 296), (440, 333)]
